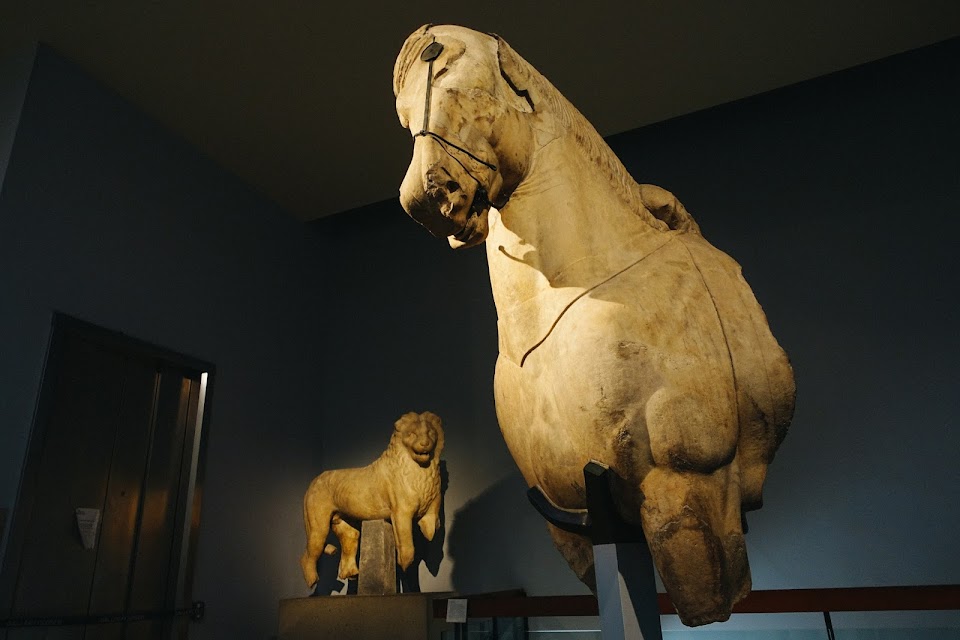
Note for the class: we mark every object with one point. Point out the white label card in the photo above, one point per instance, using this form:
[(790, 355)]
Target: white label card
[(457, 610), (88, 521)]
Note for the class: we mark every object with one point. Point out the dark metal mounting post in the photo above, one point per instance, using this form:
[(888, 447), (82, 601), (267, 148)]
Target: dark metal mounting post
[(829, 623), (626, 586), (626, 583), (571, 520), (606, 525)]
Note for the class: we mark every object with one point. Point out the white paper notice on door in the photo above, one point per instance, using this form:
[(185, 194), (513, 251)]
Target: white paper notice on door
[(457, 610), (88, 521)]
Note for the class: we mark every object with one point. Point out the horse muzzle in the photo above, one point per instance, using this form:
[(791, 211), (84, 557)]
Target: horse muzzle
[(438, 193)]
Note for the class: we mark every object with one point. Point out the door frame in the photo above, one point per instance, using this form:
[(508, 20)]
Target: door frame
[(61, 325)]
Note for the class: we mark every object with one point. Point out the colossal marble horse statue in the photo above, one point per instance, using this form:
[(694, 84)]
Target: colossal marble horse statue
[(625, 337)]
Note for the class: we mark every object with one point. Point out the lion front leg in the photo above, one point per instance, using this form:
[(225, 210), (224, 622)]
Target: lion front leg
[(403, 536), (431, 520)]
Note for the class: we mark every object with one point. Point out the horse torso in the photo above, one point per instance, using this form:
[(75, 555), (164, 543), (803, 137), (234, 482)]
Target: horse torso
[(580, 380)]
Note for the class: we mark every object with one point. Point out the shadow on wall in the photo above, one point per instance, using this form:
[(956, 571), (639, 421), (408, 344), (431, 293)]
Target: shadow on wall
[(498, 541)]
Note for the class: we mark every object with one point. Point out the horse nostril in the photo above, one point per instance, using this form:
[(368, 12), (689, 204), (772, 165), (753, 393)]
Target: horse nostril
[(452, 186)]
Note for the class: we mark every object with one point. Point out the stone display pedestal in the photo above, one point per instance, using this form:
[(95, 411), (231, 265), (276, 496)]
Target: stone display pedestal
[(407, 616), (378, 559)]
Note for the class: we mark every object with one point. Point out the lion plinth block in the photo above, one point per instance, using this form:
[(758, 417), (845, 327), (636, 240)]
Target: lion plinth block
[(378, 566), (402, 485)]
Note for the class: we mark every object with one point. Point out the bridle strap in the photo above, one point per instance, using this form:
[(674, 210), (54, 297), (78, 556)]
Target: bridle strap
[(443, 140), (431, 53)]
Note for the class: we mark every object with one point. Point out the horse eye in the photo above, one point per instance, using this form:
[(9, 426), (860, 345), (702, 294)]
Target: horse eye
[(432, 52)]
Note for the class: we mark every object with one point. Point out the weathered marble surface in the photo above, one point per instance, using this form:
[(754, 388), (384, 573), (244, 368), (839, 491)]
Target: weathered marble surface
[(402, 485), (407, 616), (378, 559), (625, 336)]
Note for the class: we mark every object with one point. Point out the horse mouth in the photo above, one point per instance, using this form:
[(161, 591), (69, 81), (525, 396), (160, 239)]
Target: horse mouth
[(472, 233), (461, 239), (463, 235)]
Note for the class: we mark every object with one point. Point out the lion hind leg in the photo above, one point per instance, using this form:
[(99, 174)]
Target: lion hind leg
[(316, 520), (349, 539)]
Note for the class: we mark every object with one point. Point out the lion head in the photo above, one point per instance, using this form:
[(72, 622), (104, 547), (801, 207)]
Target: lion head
[(421, 436)]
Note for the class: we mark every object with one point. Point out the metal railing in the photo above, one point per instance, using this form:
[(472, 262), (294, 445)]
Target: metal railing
[(916, 598), (195, 612)]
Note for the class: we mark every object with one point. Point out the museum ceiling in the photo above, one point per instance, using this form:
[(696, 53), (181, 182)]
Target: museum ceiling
[(295, 96)]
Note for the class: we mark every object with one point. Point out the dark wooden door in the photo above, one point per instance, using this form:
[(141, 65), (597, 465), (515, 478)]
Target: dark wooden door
[(116, 430)]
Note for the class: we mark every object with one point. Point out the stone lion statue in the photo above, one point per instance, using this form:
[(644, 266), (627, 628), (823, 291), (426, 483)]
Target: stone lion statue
[(402, 485)]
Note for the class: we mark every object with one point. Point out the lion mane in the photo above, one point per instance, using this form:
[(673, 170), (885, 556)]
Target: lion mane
[(402, 485)]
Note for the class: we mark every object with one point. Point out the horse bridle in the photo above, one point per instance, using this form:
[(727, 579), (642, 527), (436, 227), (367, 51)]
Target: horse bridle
[(480, 199)]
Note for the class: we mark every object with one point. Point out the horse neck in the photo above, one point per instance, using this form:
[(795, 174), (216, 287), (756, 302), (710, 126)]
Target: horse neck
[(565, 226)]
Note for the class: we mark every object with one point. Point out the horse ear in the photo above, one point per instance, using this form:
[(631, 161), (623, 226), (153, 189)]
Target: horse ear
[(516, 73)]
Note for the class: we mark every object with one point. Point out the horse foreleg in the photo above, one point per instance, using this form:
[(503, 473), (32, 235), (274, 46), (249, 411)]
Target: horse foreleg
[(692, 524), (349, 539)]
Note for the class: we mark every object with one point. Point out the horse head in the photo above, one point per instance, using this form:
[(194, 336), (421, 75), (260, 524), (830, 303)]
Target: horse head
[(470, 135)]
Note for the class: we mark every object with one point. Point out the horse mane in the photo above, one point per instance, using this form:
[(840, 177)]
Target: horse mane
[(655, 206)]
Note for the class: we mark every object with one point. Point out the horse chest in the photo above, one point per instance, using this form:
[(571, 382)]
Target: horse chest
[(579, 396), (582, 392)]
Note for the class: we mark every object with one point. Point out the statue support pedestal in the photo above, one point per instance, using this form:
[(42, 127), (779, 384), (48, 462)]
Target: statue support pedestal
[(378, 559), (623, 566), (399, 617), (626, 587), (626, 592)]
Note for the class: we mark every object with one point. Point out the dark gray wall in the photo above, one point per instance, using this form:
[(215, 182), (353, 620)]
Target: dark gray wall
[(106, 217), (14, 77)]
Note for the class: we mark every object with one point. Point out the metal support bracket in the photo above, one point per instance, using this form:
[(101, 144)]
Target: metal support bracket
[(623, 566)]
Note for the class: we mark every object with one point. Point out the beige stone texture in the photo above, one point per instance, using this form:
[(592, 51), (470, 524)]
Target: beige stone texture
[(402, 485), (378, 559), (625, 336), (406, 616)]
